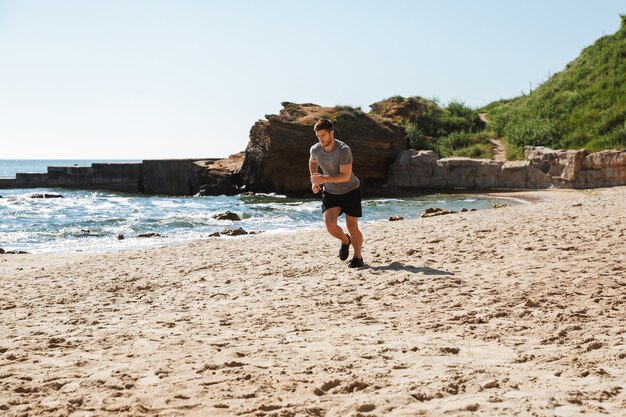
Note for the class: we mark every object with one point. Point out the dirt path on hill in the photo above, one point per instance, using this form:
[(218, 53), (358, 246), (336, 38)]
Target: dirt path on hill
[(499, 150)]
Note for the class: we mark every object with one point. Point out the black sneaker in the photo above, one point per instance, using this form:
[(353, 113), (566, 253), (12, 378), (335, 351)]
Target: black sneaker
[(345, 249), (356, 263)]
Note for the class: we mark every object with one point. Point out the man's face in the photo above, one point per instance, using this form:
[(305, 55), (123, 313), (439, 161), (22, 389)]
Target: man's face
[(325, 137)]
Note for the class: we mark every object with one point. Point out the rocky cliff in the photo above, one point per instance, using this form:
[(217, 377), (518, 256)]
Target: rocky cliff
[(544, 168), (276, 158)]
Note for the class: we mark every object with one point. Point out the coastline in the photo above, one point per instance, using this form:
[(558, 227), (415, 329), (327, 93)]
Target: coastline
[(511, 311), (91, 221)]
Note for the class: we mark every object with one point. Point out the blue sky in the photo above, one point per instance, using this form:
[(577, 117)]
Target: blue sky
[(143, 79)]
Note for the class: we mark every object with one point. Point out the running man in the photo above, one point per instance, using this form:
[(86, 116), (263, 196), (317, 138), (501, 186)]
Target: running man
[(340, 193)]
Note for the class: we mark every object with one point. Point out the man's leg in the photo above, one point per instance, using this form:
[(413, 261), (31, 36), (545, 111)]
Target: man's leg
[(330, 219), (355, 234)]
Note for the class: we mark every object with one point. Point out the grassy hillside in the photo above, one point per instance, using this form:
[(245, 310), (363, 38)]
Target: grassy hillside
[(583, 106), (455, 130)]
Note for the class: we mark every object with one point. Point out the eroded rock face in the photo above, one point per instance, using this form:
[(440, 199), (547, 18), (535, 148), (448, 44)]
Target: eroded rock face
[(422, 169), (413, 168), (545, 168), (559, 167), (277, 155), (607, 168), (466, 173), (575, 168), (220, 176)]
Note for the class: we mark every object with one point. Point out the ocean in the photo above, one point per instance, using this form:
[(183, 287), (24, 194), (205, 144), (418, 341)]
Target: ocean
[(92, 220)]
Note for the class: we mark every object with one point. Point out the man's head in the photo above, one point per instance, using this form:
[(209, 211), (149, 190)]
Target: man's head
[(325, 131)]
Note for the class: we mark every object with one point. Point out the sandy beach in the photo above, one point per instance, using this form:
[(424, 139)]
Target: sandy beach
[(517, 311)]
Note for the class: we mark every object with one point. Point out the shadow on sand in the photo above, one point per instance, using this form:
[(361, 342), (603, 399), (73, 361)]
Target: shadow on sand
[(399, 266)]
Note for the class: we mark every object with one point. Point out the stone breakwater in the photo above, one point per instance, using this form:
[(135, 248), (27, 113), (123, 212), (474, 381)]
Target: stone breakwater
[(167, 176), (544, 168)]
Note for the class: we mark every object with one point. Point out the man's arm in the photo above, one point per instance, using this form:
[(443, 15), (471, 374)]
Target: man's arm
[(312, 166), (345, 171), (313, 170)]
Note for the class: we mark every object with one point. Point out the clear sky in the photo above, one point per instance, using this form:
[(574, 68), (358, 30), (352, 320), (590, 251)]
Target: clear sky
[(142, 79)]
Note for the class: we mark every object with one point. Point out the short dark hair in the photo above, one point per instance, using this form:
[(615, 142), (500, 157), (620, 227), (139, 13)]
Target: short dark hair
[(323, 124)]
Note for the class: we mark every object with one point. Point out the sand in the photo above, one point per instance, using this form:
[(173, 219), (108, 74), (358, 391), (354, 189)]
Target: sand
[(518, 311)]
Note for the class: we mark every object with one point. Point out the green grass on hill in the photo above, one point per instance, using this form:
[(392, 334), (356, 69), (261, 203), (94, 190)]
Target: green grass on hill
[(583, 106), (455, 130)]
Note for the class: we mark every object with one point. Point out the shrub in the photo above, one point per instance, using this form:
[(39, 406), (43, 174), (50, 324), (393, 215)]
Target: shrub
[(416, 138), (534, 132)]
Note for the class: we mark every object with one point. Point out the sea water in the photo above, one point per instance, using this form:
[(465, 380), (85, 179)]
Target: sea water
[(92, 221)]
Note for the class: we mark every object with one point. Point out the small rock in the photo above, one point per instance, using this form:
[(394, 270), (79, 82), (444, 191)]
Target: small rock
[(120, 237), (366, 408), (472, 407), (464, 210), (37, 195), (496, 206), (577, 205), (452, 350), (234, 232), (395, 218), (1, 251), (489, 383), (269, 407), (144, 235), (594, 346), (431, 212), (229, 215), (532, 304), (215, 234)]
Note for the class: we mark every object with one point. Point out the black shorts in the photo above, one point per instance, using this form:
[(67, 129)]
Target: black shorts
[(350, 202)]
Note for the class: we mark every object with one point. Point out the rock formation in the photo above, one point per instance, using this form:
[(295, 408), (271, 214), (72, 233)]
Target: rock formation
[(277, 155), (544, 168), (221, 176), (575, 168)]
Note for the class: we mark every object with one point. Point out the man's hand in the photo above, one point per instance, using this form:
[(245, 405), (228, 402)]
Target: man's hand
[(315, 189), (318, 179)]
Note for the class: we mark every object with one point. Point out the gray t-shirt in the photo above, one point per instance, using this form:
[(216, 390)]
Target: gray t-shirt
[(330, 161)]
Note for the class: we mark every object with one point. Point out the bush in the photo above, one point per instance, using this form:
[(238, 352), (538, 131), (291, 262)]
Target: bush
[(479, 150), (416, 138), (466, 144), (533, 132)]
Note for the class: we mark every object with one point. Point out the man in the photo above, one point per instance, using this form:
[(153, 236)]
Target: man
[(340, 193)]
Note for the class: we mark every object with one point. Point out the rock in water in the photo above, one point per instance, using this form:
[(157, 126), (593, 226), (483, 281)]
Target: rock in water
[(229, 215), (234, 232), (145, 235), (37, 195)]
